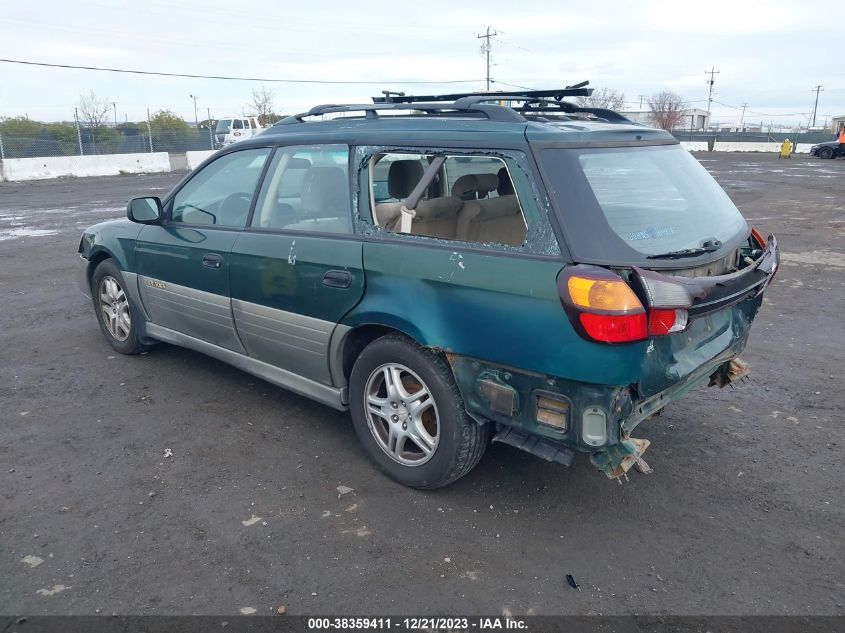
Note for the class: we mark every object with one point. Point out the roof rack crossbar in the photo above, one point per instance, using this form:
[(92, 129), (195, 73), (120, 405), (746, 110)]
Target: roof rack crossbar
[(577, 90)]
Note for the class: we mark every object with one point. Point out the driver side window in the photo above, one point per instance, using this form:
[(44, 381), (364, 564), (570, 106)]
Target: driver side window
[(221, 194)]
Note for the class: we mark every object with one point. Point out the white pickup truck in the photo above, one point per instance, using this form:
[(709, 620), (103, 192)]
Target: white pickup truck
[(232, 129)]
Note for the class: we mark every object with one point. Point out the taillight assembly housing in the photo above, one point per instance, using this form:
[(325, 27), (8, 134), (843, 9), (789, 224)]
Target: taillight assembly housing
[(603, 307)]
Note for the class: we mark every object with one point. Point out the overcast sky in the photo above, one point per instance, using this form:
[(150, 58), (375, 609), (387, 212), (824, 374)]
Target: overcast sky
[(769, 54)]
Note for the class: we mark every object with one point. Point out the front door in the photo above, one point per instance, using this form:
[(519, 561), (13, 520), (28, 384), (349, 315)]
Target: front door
[(183, 265), (297, 269)]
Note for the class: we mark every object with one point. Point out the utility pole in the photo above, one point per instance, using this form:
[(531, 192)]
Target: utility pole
[(114, 105), (78, 133), (210, 130), (486, 48), (712, 72), (641, 102), (742, 122), (196, 118), (149, 130), (818, 89)]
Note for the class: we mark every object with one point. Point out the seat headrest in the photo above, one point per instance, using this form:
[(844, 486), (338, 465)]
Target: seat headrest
[(325, 192), (472, 186), (402, 177), (505, 186)]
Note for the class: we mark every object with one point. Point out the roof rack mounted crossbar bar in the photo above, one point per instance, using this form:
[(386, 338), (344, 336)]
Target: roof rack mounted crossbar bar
[(577, 90), (537, 105), (370, 110)]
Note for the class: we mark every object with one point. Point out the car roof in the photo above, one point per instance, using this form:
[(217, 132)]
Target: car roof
[(458, 131)]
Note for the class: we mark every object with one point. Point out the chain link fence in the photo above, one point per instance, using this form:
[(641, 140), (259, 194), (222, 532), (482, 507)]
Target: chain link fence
[(811, 137), (59, 139), (106, 140)]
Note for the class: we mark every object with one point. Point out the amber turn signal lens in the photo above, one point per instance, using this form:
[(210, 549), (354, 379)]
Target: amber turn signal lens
[(758, 237), (603, 294)]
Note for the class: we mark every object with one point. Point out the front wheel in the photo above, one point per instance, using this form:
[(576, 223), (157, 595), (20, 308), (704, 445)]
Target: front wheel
[(825, 152), (118, 320), (409, 414)]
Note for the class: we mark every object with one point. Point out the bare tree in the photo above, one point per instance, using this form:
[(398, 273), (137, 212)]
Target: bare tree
[(603, 98), (93, 110), (262, 104), (667, 109)]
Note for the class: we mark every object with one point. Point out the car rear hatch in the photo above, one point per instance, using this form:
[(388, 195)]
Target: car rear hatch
[(653, 219), (713, 315)]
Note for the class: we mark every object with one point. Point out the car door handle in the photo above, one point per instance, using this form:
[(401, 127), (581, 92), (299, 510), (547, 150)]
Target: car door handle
[(212, 260), (337, 279)]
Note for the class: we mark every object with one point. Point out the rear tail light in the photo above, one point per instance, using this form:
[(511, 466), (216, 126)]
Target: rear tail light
[(603, 307), (662, 322)]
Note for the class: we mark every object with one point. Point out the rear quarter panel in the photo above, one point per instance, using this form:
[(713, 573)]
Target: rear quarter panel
[(501, 308)]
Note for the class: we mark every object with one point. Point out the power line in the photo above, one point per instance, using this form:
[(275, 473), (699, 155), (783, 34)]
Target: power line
[(505, 83), (727, 105), (228, 78)]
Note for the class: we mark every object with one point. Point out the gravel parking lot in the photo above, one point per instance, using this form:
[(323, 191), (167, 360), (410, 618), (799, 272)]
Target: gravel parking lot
[(743, 514)]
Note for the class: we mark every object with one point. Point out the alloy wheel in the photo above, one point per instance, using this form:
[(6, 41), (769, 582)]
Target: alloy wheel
[(114, 308), (402, 415)]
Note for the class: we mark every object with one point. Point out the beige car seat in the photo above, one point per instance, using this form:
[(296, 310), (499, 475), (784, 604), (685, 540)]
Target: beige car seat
[(496, 220), (435, 217)]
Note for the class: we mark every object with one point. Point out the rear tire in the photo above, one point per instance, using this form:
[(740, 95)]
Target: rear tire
[(409, 415), (117, 315)]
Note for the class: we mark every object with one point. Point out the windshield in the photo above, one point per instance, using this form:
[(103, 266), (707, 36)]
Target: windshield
[(223, 126), (653, 200)]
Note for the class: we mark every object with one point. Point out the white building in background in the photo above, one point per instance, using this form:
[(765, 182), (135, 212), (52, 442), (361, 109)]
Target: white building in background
[(837, 122), (692, 118)]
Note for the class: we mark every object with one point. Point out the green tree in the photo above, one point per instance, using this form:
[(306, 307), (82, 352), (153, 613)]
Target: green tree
[(20, 126), (21, 137), (64, 134), (170, 131)]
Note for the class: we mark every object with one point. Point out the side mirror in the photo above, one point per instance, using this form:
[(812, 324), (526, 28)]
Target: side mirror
[(144, 210)]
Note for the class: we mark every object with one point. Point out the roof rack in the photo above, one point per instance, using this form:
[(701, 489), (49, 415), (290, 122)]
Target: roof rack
[(371, 110), (577, 90), (495, 106)]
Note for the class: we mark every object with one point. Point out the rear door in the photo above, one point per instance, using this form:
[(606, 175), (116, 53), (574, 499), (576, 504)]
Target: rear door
[(297, 269), (183, 265)]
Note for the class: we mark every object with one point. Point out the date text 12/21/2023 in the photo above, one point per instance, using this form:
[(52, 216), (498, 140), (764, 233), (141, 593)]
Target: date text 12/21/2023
[(417, 623)]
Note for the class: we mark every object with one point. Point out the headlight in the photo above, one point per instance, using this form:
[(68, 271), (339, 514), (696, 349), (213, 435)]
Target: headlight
[(814, 147)]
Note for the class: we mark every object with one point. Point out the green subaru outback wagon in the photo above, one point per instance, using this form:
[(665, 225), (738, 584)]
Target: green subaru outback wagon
[(449, 269)]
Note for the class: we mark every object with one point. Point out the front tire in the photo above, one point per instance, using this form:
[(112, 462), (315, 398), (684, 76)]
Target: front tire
[(116, 315), (825, 152), (409, 415)]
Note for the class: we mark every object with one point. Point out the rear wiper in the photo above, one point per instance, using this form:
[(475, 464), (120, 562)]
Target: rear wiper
[(709, 246)]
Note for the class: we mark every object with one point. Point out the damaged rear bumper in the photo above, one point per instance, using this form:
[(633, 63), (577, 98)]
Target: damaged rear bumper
[(518, 402)]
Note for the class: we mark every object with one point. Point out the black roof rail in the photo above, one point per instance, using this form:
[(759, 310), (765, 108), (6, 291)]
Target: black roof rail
[(578, 90), (491, 111)]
